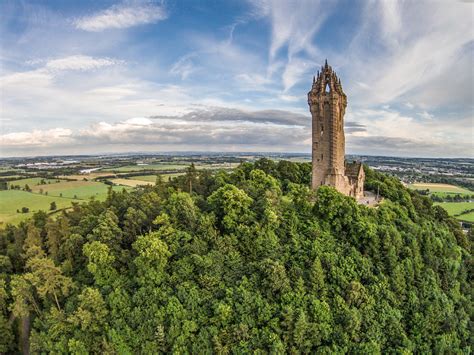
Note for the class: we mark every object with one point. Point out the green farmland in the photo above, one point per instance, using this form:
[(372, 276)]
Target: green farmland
[(31, 182), (453, 208), (157, 167), (63, 193), (147, 178), (152, 178), (74, 189), (13, 200), (134, 181), (441, 189), (456, 208)]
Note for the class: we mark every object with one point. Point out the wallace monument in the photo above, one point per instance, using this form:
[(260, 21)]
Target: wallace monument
[(327, 103)]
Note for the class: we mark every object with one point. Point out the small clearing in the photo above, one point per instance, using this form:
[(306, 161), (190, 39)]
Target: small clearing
[(131, 182)]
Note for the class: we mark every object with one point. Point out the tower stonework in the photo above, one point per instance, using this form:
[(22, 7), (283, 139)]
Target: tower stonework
[(327, 103)]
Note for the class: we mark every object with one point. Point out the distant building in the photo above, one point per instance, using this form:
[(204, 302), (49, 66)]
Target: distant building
[(327, 103)]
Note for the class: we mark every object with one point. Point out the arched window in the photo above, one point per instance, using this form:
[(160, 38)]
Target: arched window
[(327, 89)]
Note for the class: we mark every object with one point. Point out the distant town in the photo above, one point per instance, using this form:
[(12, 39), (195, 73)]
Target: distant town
[(56, 182), (408, 170)]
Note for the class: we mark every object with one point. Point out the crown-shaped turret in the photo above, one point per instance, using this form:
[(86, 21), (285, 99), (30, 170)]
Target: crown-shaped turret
[(326, 82)]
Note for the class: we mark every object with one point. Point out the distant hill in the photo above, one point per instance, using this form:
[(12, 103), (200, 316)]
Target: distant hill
[(237, 262)]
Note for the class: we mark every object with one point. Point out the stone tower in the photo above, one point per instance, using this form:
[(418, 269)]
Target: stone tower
[(327, 103)]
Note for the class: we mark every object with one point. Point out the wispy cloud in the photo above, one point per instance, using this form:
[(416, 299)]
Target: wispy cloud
[(81, 62), (235, 74), (294, 25), (184, 66), (415, 49), (122, 16), (32, 82)]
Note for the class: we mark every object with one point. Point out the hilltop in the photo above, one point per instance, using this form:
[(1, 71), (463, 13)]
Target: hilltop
[(240, 261)]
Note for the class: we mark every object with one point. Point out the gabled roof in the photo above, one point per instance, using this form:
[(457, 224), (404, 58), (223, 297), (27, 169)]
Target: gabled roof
[(353, 169)]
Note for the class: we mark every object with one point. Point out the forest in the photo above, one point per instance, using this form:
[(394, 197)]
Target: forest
[(248, 261)]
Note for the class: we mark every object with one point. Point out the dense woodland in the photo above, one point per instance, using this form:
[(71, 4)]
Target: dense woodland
[(248, 261)]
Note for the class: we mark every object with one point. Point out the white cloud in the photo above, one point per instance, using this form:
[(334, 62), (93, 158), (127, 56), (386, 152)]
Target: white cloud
[(184, 66), (419, 46), (36, 138), (295, 69), (32, 79), (81, 63), (122, 16), (139, 121), (43, 75), (407, 55), (416, 136), (231, 129), (217, 126), (294, 25), (253, 82), (426, 115)]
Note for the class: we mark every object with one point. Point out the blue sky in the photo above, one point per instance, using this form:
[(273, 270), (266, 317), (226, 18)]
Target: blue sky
[(121, 76)]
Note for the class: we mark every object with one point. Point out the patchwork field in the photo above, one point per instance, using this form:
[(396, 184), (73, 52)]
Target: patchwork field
[(13, 200), (456, 208), (143, 179), (64, 193), (31, 182), (74, 189), (157, 167), (147, 178), (217, 166), (440, 188), (91, 176), (453, 208), (132, 182), (152, 178)]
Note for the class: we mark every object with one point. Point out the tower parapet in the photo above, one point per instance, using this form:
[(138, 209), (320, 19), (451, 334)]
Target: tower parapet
[(327, 102)]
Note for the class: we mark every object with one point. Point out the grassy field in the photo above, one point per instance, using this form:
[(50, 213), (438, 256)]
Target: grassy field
[(63, 193), (444, 190), (131, 182), (74, 189), (31, 182), (147, 178), (455, 208), (440, 188), (217, 166), (11, 200), (152, 178), (157, 167), (91, 176)]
